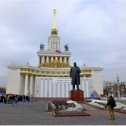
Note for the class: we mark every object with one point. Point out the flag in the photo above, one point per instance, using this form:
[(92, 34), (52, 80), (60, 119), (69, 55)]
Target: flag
[(58, 51)]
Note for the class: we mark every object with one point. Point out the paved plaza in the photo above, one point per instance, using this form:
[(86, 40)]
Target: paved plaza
[(34, 113)]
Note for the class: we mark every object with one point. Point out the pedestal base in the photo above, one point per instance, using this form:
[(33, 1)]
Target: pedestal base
[(69, 113), (76, 95)]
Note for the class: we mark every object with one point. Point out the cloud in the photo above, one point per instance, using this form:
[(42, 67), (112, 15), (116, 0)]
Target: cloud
[(94, 30)]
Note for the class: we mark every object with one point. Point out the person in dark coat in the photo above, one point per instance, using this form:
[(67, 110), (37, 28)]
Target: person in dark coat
[(75, 75), (111, 104)]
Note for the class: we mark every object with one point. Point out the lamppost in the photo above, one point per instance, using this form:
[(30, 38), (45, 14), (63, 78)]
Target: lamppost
[(118, 86), (106, 88)]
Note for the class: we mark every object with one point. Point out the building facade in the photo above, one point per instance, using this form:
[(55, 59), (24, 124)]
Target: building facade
[(115, 88), (51, 77)]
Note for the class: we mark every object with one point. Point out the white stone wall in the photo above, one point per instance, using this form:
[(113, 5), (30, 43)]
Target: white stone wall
[(98, 81), (51, 86), (22, 84), (53, 42), (13, 82), (60, 87), (87, 86)]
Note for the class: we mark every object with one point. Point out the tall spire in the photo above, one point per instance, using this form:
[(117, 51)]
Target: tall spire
[(54, 21), (54, 30)]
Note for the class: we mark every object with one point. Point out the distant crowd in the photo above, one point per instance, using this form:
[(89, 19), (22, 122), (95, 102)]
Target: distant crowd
[(13, 99)]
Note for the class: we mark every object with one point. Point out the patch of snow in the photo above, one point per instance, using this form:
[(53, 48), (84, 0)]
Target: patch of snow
[(102, 103)]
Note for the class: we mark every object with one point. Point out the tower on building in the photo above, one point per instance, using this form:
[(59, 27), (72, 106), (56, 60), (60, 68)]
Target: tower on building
[(54, 57)]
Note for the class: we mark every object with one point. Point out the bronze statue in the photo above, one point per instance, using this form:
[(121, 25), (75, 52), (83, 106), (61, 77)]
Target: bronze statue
[(75, 75), (66, 48), (41, 46)]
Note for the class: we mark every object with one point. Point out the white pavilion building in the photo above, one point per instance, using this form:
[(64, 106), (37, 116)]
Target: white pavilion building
[(51, 78)]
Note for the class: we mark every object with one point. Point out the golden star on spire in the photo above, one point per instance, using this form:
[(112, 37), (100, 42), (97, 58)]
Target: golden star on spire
[(54, 12), (54, 30)]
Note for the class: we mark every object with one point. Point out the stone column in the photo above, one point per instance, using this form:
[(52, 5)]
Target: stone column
[(56, 58), (26, 85), (39, 61), (43, 59), (31, 85), (47, 59), (65, 60), (51, 58), (58, 45), (68, 60), (49, 45), (60, 59)]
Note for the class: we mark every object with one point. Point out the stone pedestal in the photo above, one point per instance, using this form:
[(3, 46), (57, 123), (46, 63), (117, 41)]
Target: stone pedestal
[(76, 95)]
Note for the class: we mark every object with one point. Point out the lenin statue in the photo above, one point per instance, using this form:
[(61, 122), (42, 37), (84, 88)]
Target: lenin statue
[(75, 75)]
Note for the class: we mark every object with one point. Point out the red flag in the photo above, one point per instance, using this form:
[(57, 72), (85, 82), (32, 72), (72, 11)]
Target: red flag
[(58, 51)]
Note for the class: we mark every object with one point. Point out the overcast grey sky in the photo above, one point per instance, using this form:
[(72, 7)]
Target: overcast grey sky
[(94, 29)]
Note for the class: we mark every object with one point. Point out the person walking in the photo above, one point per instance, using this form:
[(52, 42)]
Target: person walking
[(111, 104), (13, 100)]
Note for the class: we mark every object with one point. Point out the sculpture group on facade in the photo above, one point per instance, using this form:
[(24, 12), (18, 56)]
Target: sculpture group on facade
[(55, 63)]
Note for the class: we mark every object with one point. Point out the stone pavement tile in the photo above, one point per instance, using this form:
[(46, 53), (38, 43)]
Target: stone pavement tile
[(34, 113)]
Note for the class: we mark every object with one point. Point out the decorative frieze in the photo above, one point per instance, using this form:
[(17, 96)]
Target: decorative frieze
[(54, 72)]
